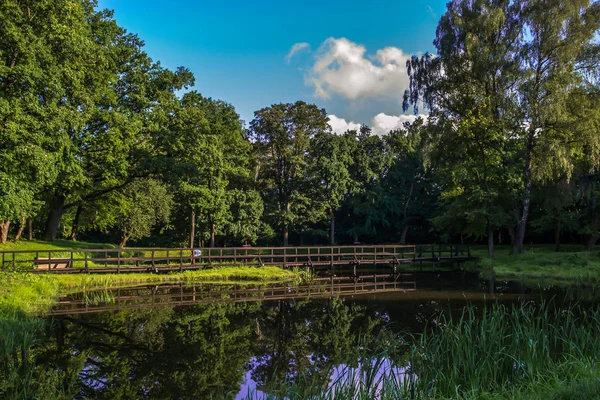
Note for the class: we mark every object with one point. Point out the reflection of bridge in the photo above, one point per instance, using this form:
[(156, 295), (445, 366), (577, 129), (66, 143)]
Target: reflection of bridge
[(141, 260), (176, 295)]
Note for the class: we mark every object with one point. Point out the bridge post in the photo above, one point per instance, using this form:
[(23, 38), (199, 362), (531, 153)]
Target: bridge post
[(332, 267)]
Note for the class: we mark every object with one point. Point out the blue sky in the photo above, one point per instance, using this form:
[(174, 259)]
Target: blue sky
[(351, 58)]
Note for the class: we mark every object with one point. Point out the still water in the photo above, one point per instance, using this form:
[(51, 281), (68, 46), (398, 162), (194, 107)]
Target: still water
[(205, 341)]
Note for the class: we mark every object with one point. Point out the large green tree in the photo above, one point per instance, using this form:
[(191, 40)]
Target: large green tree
[(329, 179), (365, 208), (208, 159), (408, 184), (111, 91), (504, 75), (281, 135)]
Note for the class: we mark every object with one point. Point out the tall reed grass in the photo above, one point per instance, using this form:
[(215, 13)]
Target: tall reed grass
[(528, 351)]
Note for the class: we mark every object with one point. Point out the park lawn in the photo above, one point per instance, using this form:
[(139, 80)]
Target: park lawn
[(573, 265), (56, 245)]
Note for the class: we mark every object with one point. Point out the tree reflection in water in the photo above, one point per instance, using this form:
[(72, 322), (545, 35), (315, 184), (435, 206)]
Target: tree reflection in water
[(206, 351)]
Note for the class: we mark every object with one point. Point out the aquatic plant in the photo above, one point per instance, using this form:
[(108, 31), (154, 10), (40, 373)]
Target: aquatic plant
[(529, 351)]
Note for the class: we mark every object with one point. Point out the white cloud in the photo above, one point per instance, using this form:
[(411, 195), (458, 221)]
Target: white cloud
[(342, 68), (381, 124), (340, 125), (297, 47)]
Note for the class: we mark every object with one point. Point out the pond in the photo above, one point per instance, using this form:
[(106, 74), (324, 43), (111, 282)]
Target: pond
[(207, 341)]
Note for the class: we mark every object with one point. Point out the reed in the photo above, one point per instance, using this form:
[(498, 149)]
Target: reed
[(530, 351)]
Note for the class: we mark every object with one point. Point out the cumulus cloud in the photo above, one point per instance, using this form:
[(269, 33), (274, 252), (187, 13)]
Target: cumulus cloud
[(297, 47), (381, 124), (340, 125), (342, 67)]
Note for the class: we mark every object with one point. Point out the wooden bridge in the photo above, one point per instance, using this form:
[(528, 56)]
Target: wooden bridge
[(179, 259), (183, 294)]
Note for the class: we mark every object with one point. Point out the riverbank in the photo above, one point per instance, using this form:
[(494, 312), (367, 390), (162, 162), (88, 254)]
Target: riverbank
[(539, 263), (35, 294)]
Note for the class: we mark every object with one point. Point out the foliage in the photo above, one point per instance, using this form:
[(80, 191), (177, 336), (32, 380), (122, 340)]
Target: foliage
[(147, 203), (509, 141), (507, 93), (282, 134)]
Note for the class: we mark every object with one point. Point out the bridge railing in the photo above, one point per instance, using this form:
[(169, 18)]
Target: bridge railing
[(142, 259), (168, 295)]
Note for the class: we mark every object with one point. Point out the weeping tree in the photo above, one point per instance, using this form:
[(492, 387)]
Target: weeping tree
[(507, 73)]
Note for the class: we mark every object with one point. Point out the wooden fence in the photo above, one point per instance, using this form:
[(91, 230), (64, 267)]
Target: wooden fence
[(179, 259)]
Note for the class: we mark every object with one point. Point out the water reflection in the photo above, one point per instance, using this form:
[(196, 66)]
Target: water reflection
[(203, 342)]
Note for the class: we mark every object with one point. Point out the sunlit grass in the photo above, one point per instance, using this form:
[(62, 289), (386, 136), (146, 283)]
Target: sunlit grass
[(32, 294), (540, 263)]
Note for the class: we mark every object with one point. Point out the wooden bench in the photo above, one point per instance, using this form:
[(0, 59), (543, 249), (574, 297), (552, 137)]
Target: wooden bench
[(54, 263)]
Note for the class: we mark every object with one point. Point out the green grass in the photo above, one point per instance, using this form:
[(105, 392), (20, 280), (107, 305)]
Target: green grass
[(540, 263), (56, 245), (34, 294)]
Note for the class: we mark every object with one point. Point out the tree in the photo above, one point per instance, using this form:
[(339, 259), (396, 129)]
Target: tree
[(556, 59), (208, 158), (146, 202), (38, 71), (281, 135), (496, 78), (365, 207), (408, 183), (329, 178), (245, 212), (110, 94)]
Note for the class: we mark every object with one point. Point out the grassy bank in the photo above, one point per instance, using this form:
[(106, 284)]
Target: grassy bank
[(55, 245), (31, 294), (540, 263)]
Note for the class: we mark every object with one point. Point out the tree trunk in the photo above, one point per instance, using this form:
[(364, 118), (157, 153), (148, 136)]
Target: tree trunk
[(332, 229), (557, 237), (4, 227), (286, 235), (511, 234), (57, 208), (591, 242), (123, 241), (490, 234), (404, 233), (193, 232), (212, 234), (520, 234), (75, 226), (21, 229), (355, 234), (405, 214), (30, 228)]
